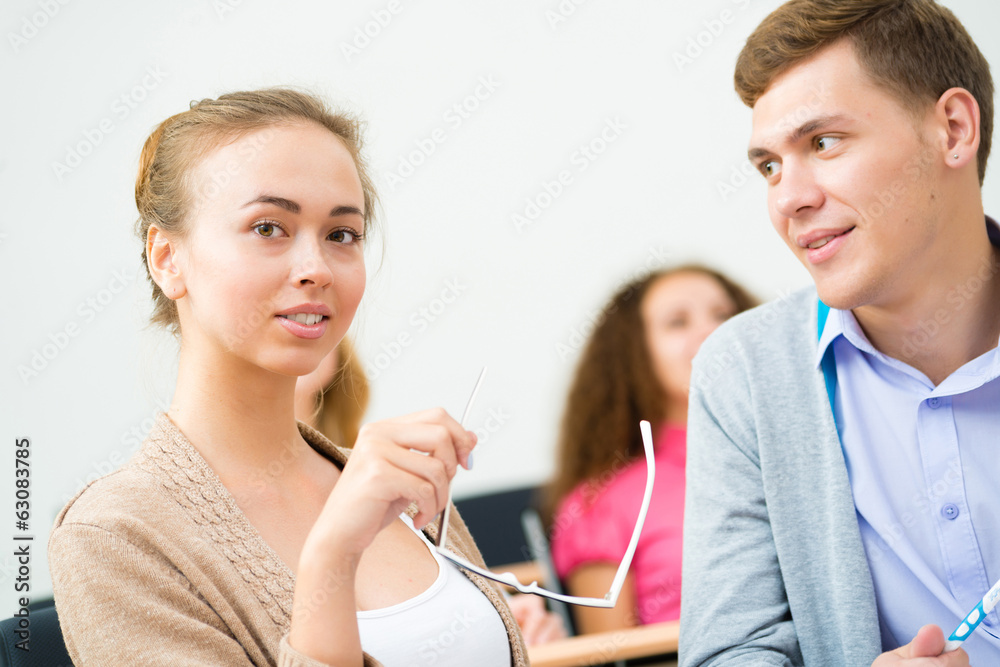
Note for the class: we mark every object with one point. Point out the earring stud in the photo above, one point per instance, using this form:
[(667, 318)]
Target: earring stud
[(955, 156)]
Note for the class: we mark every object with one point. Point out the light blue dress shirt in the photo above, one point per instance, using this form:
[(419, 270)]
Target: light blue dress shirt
[(924, 466)]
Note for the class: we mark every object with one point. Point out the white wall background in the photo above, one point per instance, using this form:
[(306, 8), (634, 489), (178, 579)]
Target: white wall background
[(94, 78)]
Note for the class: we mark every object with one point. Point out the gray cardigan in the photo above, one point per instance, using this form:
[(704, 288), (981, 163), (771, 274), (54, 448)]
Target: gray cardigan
[(774, 571)]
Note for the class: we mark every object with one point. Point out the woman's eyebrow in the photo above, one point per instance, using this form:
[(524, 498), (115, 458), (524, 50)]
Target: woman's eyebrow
[(294, 207)]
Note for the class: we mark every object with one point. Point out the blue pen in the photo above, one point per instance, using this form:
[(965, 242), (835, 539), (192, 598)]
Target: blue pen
[(974, 618)]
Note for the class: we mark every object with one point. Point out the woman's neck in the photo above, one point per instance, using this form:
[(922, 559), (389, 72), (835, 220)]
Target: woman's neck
[(676, 413), (240, 417)]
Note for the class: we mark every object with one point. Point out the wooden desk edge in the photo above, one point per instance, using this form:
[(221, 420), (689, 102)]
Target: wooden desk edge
[(646, 640)]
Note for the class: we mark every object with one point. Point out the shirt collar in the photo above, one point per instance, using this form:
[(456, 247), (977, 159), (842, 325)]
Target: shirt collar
[(843, 322)]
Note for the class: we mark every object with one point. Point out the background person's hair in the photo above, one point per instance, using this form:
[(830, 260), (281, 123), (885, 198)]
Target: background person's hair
[(614, 386), (163, 187), (915, 49), (341, 406)]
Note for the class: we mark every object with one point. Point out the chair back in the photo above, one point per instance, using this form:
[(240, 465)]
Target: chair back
[(508, 530), (43, 636)]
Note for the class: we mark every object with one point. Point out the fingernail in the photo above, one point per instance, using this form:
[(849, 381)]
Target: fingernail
[(468, 461)]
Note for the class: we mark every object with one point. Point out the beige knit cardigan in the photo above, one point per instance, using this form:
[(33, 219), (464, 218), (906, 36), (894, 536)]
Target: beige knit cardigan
[(155, 564)]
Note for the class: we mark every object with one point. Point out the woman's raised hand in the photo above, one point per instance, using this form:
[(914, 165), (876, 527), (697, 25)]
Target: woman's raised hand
[(394, 462)]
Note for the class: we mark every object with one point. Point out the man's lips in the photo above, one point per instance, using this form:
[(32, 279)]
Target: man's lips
[(820, 247), (820, 237)]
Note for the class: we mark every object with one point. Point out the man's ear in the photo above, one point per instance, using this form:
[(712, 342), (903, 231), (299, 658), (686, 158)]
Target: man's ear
[(161, 256), (958, 114)]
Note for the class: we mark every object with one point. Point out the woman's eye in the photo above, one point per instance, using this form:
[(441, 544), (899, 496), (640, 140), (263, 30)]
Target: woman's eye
[(345, 236), (267, 229)]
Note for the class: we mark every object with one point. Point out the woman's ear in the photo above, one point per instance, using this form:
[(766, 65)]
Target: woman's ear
[(161, 256)]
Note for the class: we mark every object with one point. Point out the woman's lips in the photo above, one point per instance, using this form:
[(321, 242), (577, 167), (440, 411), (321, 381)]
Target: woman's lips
[(309, 331)]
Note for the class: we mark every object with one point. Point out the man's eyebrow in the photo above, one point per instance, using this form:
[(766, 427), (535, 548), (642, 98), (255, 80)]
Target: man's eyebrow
[(810, 126), (293, 207)]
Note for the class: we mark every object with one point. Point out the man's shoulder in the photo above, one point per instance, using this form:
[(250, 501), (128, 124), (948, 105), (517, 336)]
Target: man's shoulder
[(779, 327)]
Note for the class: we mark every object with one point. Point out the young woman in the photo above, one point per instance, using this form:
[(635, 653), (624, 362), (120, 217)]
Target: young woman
[(236, 535), (636, 365)]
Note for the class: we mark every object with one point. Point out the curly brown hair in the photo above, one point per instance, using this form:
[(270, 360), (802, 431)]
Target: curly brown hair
[(614, 387)]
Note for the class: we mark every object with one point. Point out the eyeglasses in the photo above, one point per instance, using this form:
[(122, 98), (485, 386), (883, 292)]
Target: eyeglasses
[(508, 578)]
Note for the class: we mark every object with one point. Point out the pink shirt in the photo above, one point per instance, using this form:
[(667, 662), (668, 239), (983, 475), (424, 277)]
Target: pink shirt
[(594, 524)]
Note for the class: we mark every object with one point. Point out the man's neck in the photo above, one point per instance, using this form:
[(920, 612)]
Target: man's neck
[(951, 317)]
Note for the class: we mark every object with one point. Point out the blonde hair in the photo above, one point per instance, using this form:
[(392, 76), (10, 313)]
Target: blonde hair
[(164, 188), (341, 405)]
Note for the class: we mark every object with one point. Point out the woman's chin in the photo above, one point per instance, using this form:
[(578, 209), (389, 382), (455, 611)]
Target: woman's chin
[(292, 365)]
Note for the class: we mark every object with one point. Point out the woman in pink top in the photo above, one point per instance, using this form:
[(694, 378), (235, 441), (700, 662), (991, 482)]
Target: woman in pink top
[(600, 471)]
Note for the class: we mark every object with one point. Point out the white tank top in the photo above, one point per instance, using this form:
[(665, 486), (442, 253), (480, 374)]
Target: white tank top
[(450, 624)]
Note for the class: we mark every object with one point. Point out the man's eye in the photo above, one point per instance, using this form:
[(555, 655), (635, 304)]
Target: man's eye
[(826, 143), (770, 168)]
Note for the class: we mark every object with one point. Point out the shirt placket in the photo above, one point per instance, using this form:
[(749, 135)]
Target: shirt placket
[(945, 491)]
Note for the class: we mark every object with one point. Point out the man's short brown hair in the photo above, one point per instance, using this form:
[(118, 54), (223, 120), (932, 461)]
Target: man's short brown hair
[(916, 49)]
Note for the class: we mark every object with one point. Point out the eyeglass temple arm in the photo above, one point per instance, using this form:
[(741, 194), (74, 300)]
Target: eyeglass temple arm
[(647, 445), (446, 512), (509, 579), (611, 598)]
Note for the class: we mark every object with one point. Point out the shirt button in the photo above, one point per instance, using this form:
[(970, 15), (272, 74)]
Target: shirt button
[(950, 511), (934, 402)]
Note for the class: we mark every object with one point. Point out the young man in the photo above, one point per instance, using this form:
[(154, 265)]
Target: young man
[(843, 472)]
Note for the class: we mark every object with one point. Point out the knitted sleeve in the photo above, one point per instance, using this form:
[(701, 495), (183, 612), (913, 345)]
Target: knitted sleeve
[(119, 604)]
